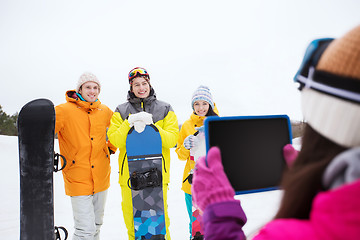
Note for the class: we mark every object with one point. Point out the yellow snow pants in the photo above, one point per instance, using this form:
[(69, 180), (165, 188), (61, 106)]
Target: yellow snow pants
[(127, 208)]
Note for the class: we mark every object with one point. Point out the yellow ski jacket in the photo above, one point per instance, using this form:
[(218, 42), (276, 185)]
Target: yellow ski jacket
[(188, 128), (164, 119)]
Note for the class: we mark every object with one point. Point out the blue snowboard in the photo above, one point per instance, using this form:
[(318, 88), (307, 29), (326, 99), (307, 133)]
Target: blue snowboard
[(144, 153)]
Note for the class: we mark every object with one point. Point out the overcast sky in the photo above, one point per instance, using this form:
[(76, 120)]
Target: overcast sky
[(247, 52)]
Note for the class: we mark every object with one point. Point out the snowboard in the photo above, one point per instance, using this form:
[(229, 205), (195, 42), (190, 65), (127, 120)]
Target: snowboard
[(144, 153), (36, 125), (195, 153)]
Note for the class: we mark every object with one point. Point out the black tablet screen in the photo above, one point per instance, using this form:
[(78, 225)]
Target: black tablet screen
[(251, 149)]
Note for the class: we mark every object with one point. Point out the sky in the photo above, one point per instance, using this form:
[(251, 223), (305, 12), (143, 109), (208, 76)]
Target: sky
[(246, 52)]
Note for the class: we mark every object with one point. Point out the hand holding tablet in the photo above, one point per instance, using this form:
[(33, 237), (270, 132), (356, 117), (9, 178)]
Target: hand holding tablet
[(251, 149)]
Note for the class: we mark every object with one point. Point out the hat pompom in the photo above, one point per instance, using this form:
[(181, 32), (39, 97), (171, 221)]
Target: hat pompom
[(87, 77)]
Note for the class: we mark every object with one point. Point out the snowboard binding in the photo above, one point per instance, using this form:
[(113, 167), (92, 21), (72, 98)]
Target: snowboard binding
[(57, 233), (155, 237), (141, 180), (56, 162), (198, 236)]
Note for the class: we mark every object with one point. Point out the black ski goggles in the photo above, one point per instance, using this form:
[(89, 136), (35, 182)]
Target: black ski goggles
[(342, 87)]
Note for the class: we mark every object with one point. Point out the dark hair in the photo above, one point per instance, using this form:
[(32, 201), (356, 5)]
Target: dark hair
[(211, 112), (147, 78), (303, 180)]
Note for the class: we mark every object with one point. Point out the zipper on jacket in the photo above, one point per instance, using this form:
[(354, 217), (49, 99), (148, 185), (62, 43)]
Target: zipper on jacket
[(122, 165), (142, 105), (163, 162)]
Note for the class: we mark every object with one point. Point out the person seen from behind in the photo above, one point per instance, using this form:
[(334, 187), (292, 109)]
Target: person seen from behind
[(321, 188)]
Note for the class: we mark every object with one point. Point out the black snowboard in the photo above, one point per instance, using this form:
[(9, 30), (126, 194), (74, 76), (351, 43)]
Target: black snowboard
[(36, 125)]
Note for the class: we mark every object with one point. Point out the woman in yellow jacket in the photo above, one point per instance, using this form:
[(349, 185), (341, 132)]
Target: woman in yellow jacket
[(81, 125), (203, 106), (142, 108)]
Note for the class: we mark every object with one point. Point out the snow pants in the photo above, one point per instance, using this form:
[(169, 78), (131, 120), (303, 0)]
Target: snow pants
[(188, 201), (88, 212), (128, 214)]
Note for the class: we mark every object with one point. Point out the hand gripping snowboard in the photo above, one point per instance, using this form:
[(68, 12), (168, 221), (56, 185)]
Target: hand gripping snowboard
[(36, 124), (144, 153)]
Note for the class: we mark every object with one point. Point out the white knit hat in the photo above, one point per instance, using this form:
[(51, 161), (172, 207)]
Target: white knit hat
[(87, 77), (202, 93), (337, 118)]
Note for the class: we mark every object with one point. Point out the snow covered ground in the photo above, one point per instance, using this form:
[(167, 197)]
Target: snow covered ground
[(259, 207)]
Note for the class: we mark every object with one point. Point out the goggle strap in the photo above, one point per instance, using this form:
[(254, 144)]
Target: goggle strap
[(338, 92)]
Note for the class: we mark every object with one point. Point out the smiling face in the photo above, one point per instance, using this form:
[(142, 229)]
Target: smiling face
[(90, 91), (140, 87), (201, 108)]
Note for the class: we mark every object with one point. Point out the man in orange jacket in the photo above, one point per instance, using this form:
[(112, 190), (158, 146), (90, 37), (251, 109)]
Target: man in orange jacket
[(81, 125)]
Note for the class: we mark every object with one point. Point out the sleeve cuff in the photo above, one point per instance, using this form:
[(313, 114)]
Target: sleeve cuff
[(228, 209)]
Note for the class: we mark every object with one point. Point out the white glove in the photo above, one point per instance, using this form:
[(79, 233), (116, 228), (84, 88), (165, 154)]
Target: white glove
[(141, 116), (140, 120), (190, 142)]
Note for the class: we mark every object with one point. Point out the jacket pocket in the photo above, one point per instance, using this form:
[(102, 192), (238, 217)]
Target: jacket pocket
[(70, 161), (107, 153)]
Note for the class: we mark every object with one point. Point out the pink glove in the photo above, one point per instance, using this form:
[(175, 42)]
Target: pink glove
[(290, 154), (210, 184)]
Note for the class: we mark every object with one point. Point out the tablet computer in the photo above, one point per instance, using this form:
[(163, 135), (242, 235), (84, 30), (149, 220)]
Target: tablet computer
[(251, 149)]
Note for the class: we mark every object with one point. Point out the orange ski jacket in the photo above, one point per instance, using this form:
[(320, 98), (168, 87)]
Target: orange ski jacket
[(81, 127)]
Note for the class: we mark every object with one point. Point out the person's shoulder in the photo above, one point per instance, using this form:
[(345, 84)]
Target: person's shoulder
[(124, 103), (105, 107), (66, 109), (60, 105), (165, 105), (65, 105), (187, 127), (162, 102), (188, 122), (122, 106)]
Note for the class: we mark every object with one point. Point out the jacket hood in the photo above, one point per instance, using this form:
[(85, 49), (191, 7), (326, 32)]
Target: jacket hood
[(197, 120), (71, 96)]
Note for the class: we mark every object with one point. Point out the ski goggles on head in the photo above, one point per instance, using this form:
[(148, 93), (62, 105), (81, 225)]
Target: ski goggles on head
[(325, 82), (138, 71)]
